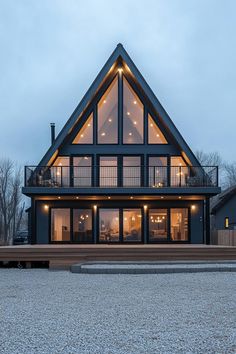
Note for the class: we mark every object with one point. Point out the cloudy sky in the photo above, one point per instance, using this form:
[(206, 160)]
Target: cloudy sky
[(51, 50)]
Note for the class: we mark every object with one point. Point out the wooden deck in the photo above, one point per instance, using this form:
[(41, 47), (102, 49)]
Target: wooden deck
[(63, 256)]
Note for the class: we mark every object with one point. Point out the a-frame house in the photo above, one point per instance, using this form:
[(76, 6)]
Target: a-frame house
[(120, 171)]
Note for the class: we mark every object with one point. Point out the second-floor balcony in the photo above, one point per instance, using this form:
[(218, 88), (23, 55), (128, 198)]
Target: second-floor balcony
[(121, 176)]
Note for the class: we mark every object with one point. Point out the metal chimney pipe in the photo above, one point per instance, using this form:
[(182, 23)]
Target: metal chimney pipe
[(52, 132)]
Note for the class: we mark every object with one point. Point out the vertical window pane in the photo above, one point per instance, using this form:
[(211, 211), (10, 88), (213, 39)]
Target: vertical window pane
[(132, 116), (82, 225), (179, 171), (60, 173), (132, 225), (108, 171), (155, 135), (60, 224), (82, 171), (157, 224), (131, 171), (109, 225), (108, 115), (85, 135), (179, 224), (157, 172)]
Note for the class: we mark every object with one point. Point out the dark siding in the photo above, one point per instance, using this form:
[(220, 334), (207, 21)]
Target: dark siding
[(227, 210)]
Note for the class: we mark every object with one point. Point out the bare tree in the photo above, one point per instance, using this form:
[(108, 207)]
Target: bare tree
[(229, 174), (209, 159), (11, 204)]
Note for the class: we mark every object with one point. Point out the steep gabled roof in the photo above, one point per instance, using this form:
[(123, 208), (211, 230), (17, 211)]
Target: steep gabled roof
[(118, 55)]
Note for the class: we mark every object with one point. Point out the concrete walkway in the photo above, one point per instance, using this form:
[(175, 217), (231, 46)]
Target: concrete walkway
[(152, 267)]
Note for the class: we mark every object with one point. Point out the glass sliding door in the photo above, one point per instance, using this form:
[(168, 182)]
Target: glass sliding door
[(131, 171), (179, 171), (132, 225), (60, 225), (82, 226), (179, 224), (157, 171), (109, 226), (108, 176), (60, 173), (157, 223), (82, 171)]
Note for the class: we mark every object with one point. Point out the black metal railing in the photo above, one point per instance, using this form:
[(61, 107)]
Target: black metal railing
[(121, 176)]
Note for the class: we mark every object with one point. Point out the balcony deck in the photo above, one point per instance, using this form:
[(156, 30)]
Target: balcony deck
[(63, 256), (98, 180)]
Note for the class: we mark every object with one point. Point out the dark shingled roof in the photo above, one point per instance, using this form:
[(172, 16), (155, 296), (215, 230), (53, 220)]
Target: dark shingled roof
[(219, 200)]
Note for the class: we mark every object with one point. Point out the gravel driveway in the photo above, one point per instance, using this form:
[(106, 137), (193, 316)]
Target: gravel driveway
[(60, 312)]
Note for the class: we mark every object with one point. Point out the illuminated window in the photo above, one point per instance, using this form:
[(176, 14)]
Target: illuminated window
[(132, 116), (85, 135), (60, 224), (155, 135), (157, 171), (157, 225), (109, 228), (60, 172), (226, 222), (179, 171), (82, 225), (108, 115), (179, 224), (82, 171), (131, 171), (108, 171), (132, 225)]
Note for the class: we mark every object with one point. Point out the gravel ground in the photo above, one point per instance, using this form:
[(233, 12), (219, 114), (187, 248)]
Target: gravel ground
[(60, 312)]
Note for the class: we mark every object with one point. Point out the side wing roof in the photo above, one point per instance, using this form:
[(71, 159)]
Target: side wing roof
[(119, 55)]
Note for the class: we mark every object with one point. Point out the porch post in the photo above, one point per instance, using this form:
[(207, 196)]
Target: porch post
[(207, 221)]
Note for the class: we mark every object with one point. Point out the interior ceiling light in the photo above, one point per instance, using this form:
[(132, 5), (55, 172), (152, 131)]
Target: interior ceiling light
[(104, 101), (103, 134), (128, 113), (130, 134), (135, 102)]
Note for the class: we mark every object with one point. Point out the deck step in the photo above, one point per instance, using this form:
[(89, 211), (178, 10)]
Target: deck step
[(152, 267)]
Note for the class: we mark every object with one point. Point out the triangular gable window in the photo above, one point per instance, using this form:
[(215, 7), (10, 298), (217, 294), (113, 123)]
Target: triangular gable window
[(132, 116), (155, 136), (85, 135), (108, 115)]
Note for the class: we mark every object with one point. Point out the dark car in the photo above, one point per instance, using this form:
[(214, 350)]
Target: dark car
[(20, 238)]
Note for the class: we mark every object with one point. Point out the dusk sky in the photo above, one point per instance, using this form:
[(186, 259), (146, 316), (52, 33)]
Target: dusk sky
[(51, 51)]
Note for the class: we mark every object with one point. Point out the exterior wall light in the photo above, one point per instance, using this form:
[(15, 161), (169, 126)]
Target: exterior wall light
[(46, 207), (193, 207), (95, 208), (145, 207)]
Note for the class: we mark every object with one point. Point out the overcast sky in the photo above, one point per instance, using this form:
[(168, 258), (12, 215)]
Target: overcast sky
[(51, 51)]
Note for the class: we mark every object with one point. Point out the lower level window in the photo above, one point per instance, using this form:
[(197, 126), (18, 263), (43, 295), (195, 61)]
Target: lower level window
[(132, 225), (179, 224), (157, 225), (109, 230), (82, 225), (60, 224)]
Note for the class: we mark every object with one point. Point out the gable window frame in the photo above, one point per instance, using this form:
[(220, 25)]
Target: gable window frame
[(121, 117), (96, 103), (80, 124), (155, 118)]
